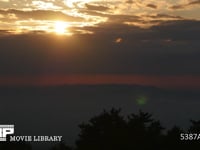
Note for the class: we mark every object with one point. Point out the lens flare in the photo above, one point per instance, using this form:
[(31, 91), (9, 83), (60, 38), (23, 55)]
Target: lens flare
[(141, 100)]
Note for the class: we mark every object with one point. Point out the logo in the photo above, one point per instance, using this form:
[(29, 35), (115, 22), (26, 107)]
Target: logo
[(9, 129), (6, 130)]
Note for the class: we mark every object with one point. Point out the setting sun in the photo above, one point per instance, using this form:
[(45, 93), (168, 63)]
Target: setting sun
[(60, 27)]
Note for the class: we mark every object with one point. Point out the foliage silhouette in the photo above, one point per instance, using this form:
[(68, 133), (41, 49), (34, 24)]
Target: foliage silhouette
[(172, 139), (112, 131), (195, 127), (61, 146), (103, 132), (15, 146)]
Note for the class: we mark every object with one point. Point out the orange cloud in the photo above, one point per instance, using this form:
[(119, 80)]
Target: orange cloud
[(183, 6)]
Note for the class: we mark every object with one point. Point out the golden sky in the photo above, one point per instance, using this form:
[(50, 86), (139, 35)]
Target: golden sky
[(144, 38), (61, 15)]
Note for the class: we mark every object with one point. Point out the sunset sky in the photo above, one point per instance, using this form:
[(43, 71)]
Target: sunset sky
[(152, 42), (64, 61)]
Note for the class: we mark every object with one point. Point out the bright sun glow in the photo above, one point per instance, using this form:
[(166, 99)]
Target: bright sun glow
[(60, 27)]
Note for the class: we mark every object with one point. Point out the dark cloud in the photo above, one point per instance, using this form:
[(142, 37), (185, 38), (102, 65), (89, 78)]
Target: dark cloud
[(195, 2), (4, 32), (171, 48), (164, 16), (96, 7), (130, 1), (152, 6), (40, 15), (182, 6), (178, 7), (183, 30)]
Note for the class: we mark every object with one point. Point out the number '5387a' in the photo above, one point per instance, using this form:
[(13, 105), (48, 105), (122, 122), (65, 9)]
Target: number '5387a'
[(189, 136)]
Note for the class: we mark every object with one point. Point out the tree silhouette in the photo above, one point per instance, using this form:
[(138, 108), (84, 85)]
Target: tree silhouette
[(102, 132), (143, 131), (61, 146), (15, 146), (195, 127), (110, 131), (172, 139)]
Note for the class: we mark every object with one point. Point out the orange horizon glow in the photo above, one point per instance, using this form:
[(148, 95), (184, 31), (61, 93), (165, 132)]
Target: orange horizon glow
[(182, 82)]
